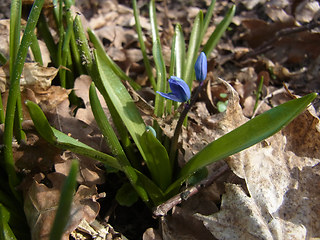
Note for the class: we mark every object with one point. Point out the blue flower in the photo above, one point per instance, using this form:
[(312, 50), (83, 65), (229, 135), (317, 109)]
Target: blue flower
[(201, 67), (180, 90)]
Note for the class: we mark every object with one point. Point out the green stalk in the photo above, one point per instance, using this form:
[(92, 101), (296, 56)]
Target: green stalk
[(1, 111), (142, 45), (14, 92), (15, 27)]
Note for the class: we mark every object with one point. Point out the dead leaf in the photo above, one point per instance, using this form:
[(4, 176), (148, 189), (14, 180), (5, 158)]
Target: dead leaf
[(41, 203), (281, 176), (33, 76)]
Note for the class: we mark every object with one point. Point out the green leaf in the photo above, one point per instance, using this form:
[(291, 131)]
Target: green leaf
[(180, 51), (153, 21), (117, 70), (207, 18), (154, 192), (161, 77), (14, 93), (248, 134), (220, 29), (5, 230), (40, 121), (63, 141), (126, 195), (121, 101), (142, 45), (35, 48), (113, 142), (157, 160), (63, 213)]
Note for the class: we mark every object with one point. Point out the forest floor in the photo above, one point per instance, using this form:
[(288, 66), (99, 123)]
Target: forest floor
[(265, 191)]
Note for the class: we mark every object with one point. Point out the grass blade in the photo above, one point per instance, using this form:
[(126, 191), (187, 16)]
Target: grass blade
[(220, 29), (161, 78), (207, 18), (63, 141), (180, 51), (117, 70), (153, 21), (35, 48), (63, 213), (48, 39), (142, 45), (14, 93)]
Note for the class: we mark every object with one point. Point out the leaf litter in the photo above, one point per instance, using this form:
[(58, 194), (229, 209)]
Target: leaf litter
[(270, 190)]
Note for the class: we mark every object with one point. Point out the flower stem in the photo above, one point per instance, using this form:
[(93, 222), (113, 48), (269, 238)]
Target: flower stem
[(174, 142)]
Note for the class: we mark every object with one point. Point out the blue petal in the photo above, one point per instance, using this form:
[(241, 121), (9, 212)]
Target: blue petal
[(170, 96), (179, 88), (200, 67)]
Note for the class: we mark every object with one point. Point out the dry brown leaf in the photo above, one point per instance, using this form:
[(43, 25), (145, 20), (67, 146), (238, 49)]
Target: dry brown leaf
[(33, 76), (41, 203), (282, 176)]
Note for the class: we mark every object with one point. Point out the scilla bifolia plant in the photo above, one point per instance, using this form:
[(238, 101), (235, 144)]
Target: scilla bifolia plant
[(154, 175)]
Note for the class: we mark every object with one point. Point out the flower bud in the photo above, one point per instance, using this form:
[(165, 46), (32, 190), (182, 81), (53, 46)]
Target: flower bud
[(201, 67)]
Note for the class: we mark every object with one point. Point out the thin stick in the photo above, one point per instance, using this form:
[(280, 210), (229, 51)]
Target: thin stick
[(165, 207)]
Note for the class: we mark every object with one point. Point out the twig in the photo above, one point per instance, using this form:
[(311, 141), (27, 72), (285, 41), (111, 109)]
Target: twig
[(165, 207)]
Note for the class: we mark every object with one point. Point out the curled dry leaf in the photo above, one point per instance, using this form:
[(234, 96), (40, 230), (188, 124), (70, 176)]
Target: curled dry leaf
[(41, 203), (33, 76), (282, 175)]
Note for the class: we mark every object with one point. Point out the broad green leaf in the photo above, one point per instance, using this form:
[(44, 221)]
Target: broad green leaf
[(157, 160), (63, 141), (63, 213), (194, 45), (121, 101), (248, 134), (220, 29)]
